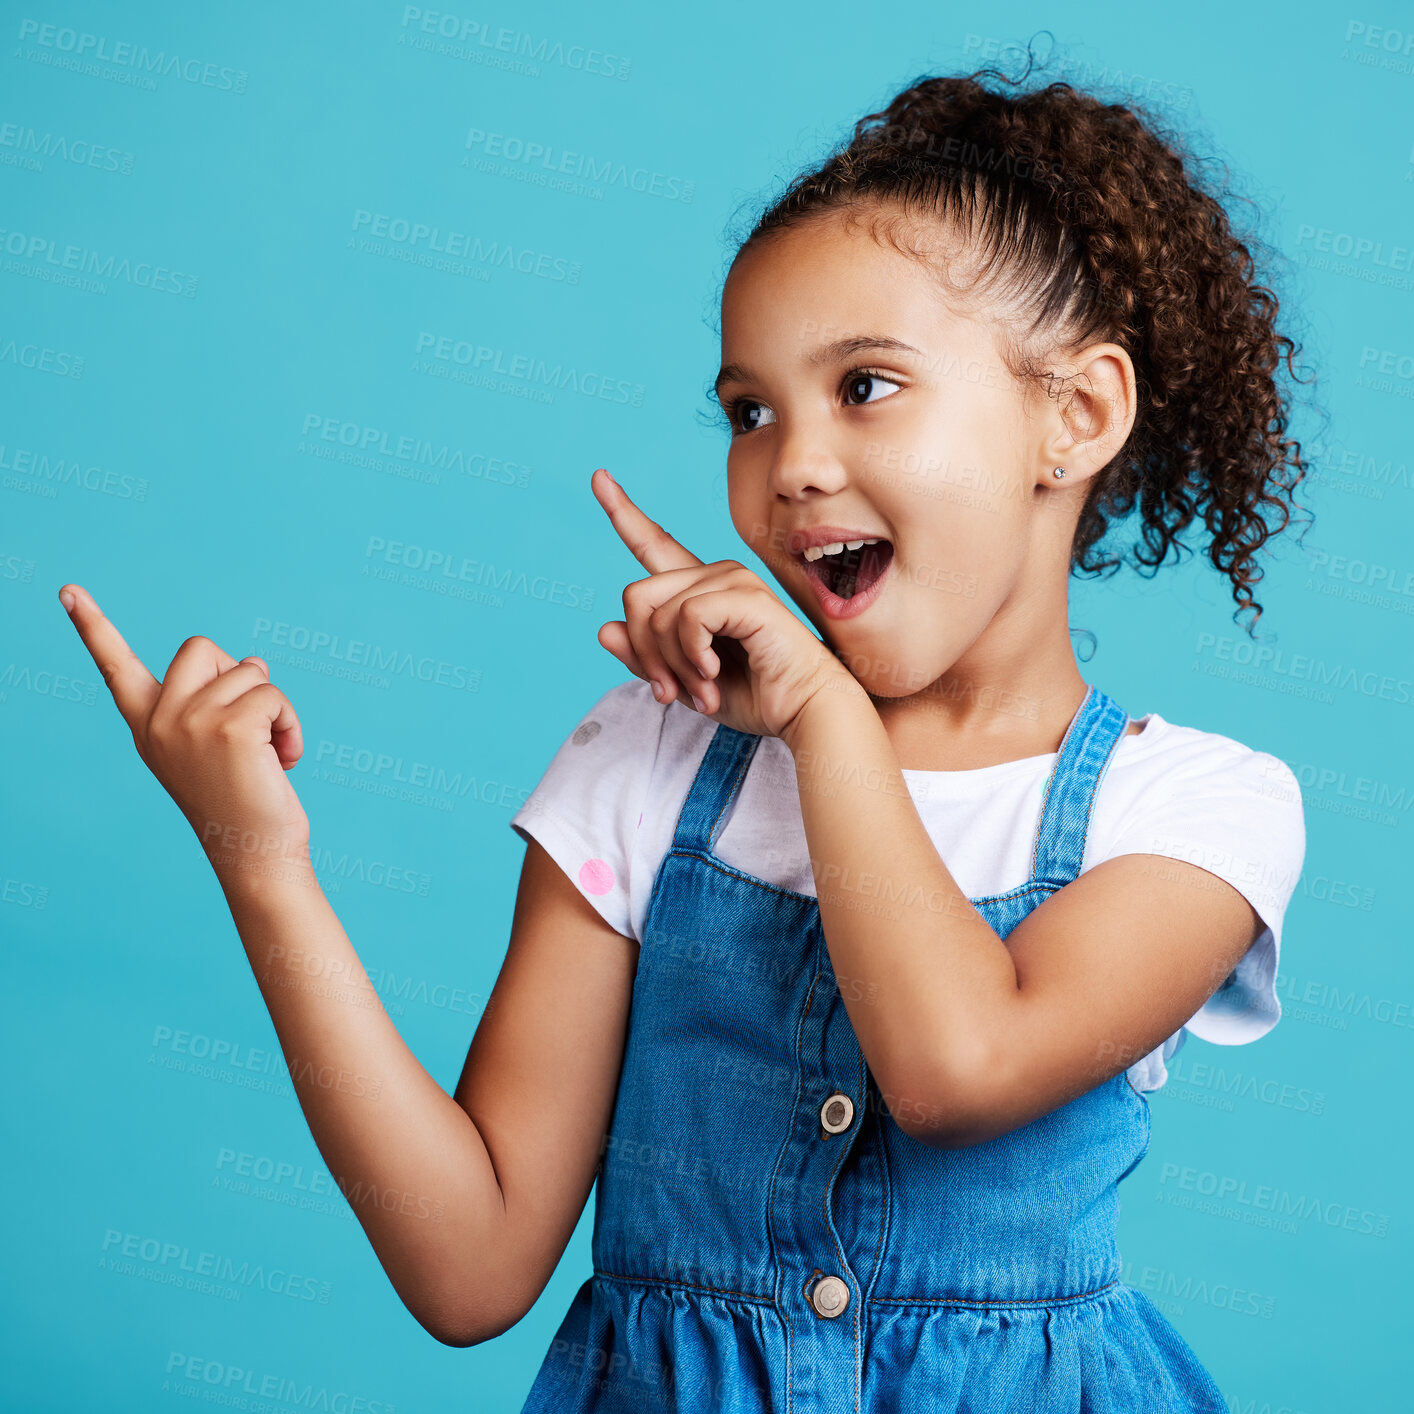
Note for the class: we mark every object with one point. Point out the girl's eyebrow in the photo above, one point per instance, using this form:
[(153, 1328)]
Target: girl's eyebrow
[(834, 352)]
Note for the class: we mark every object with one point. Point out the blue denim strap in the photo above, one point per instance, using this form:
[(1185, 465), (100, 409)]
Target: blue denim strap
[(719, 776), (1084, 757)]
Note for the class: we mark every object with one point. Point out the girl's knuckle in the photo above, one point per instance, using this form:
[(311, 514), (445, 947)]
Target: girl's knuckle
[(227, 728), (169, 729)]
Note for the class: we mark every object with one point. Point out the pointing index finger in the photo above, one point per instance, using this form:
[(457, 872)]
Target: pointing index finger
[(134, 689), (652, 546)]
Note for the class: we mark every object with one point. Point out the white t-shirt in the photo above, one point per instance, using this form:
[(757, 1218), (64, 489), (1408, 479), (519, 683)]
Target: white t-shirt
[(608, 803)]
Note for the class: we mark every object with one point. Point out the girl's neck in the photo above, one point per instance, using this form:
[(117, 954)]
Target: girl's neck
[(965, 726)]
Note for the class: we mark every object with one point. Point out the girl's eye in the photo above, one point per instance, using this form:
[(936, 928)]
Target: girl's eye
[(745, 406), (856, 380), (862, 378)]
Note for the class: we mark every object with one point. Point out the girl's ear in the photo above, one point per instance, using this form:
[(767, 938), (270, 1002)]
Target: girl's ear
[(1092, 413)]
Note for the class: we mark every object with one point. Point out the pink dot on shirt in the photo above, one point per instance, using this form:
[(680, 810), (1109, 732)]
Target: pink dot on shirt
[(596, 877)]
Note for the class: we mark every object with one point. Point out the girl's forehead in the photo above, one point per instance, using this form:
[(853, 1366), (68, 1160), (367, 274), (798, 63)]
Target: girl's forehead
[(831, 271), (783, 302)]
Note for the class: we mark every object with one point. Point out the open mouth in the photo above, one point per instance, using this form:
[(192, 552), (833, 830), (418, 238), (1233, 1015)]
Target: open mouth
[(851, 572)]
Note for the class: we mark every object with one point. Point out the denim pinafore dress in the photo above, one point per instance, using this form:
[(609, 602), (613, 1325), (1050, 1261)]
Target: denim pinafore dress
[(766, 1238)]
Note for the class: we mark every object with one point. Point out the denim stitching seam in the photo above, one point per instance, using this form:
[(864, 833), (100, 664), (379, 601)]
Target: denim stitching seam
[(771, 1203), (679, 836), (669, 1284), (994, 1305), (1055, 772), (740, 779)]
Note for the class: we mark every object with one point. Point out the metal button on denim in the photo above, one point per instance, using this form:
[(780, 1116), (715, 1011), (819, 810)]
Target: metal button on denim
[(829, 1296), (837, 1114)]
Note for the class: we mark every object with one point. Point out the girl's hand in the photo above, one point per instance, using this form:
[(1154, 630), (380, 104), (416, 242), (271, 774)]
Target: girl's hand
[(762, 666), (217, 734)]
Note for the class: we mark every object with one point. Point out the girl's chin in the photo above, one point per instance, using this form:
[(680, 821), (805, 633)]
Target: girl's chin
[(889, 663)]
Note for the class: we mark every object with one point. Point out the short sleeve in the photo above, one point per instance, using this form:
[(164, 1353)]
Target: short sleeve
[(586, 810), (1238, 814)]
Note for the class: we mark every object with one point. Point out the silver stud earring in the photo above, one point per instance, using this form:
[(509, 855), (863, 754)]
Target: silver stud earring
[(1058, 472)]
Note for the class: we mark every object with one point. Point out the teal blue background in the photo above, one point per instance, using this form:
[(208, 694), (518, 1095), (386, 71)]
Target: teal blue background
[(201, 507)]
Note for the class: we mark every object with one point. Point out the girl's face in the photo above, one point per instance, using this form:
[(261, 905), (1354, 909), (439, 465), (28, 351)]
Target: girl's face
[(859, 400)]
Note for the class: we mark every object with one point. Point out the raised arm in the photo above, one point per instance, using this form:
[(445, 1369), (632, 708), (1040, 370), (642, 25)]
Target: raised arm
[(468, 1200)]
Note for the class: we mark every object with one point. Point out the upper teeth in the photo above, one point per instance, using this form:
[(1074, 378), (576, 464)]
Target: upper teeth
[(835, 547)]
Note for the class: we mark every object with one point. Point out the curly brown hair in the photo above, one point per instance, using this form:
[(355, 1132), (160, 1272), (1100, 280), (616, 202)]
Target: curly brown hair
[(1088, 218)]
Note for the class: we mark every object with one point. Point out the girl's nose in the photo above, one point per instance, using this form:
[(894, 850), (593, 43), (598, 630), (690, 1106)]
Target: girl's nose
[(805, 462)]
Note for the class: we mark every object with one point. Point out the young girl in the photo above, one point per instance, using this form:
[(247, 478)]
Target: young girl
[(845, 981), (864, 1153)]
